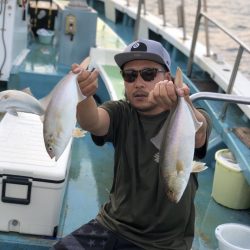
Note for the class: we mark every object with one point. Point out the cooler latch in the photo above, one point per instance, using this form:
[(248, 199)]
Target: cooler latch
[(16, 190)]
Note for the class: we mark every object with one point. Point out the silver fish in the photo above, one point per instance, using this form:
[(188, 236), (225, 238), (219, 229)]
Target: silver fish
[(176, 143), (60, 116), (85, 64), (13, 101)]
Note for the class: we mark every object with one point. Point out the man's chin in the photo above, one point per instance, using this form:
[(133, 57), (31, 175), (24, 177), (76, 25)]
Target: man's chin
[(144, 108)]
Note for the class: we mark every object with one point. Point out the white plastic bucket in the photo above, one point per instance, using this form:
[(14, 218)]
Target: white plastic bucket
[(233, 236), (45, 36), (230, 187)]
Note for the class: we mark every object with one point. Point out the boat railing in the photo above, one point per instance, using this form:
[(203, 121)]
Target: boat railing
[(161, 12), (138, 16), (229, 98), (242, 47)]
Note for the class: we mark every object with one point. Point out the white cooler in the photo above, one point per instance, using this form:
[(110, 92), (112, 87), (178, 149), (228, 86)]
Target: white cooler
[(32, 185)]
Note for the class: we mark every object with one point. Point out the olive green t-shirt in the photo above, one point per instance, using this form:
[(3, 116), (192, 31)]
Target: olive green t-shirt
[(138, 208)]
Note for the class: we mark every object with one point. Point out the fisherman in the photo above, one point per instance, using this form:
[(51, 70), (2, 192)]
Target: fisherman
[(138, 215)]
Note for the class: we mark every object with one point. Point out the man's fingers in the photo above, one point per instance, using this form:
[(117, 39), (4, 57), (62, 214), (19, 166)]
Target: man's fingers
[(75, 68), (88, 82)]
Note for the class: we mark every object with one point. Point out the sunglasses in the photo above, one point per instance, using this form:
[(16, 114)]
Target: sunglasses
[(147, 74)]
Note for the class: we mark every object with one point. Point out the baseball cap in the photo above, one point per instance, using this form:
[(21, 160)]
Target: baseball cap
[(144, 49)]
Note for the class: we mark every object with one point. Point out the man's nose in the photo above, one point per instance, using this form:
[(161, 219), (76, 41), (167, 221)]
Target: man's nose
[(139, 82)]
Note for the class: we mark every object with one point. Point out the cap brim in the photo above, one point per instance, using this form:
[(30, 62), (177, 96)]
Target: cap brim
[(125, 57)]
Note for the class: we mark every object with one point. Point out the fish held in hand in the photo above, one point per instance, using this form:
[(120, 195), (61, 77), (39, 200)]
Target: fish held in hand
[(13, 101), (176, 144), (60, 115)]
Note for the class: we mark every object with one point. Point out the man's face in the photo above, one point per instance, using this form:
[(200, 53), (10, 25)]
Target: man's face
[(138, 90)]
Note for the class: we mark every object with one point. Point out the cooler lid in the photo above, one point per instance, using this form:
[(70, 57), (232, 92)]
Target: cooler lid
[(23, 152)]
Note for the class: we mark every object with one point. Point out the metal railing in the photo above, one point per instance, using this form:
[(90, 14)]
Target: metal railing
[(229, 98), (242, 47), (199, 14), (161, 11), (138, 17)]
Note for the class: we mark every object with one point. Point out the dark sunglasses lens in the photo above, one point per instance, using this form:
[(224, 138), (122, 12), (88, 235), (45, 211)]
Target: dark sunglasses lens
[(129, 75), (148, 74)]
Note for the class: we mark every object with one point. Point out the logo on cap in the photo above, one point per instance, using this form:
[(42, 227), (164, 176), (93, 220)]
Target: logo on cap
[(138, 46)]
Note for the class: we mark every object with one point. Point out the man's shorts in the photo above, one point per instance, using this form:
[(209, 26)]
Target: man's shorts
[(94, 236)]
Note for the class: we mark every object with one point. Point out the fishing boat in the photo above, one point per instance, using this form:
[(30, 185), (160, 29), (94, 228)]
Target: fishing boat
[(100, 29)]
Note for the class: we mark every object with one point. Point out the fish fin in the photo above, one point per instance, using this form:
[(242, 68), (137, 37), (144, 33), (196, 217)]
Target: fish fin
[(198, 166), (178, 78), (81, 97), (197, 124), (78, 132), (179, 83), (12, 112), (45, 100), (157, 140), (27, 91)]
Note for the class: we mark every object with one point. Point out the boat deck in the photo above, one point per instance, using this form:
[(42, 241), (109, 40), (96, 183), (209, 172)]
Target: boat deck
[(90, 178)]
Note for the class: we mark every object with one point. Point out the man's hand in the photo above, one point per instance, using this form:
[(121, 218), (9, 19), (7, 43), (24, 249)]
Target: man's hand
[(165, 94), (87, 80)]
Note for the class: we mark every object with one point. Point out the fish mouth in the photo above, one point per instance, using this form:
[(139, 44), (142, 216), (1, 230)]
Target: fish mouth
[(171, 196)]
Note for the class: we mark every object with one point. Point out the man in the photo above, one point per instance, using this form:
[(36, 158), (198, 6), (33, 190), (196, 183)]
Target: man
[(138, 214)]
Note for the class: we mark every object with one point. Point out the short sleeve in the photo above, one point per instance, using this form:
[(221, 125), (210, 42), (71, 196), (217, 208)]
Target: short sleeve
[(201, 152)]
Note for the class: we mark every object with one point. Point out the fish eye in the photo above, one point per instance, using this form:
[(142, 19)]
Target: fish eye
[(50, 148), (170, 191)]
